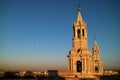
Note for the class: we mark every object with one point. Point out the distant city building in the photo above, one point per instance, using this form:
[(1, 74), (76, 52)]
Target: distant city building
[(82, 62), (111, 72), (1, 73)]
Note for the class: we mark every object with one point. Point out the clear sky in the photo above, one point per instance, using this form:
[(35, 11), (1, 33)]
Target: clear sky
[(37, 34)]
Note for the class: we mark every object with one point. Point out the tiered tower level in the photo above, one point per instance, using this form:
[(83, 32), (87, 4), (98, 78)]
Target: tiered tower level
[(80, 60)]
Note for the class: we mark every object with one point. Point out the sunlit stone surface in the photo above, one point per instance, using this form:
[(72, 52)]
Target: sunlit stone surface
[(81, 62)]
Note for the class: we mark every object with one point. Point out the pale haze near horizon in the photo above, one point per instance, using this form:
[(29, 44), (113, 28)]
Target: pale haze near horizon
[(37, 35)]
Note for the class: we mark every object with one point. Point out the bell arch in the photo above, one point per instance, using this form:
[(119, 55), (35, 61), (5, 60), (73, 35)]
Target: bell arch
[(79, 66), (96, 69), (78, 33), (83, 32)]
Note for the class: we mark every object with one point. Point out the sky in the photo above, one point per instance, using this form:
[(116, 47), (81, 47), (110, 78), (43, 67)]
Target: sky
[(37, 34)]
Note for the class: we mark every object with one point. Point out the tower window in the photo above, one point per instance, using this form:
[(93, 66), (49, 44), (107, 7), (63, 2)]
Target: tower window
[(96, 69), (96, 51), (79, 66), (83, 32), (78, 50), (78, 32)]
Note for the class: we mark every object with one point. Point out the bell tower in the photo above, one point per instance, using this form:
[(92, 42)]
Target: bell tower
[(96, 51), (97, 63), (80, 33), (82, 62), (79, 58)]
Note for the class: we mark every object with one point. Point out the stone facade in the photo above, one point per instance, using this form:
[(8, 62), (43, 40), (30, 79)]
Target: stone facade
[(80, 60)]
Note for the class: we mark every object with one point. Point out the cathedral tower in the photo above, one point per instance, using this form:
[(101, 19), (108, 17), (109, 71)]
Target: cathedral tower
[(80, 33), (97, 63), (96, 51), (81, 61), (79, 58)]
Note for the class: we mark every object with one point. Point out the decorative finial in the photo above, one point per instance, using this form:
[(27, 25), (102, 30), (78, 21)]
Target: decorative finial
[(78, 9)]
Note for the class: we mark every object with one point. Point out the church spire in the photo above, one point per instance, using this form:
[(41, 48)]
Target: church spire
[(80, 33), (79, 18), (96, 51), (95, 44)]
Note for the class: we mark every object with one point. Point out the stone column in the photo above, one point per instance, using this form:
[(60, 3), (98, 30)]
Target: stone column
[(68, 64), (71, 64)]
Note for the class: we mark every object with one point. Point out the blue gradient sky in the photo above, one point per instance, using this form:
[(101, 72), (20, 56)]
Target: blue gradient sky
[(37, 34)]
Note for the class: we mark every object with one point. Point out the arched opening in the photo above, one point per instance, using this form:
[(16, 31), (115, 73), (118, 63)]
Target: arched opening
[(78, 32), (83, 33), (78, 50), (74, 31), (79, 66), (96, 69)]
